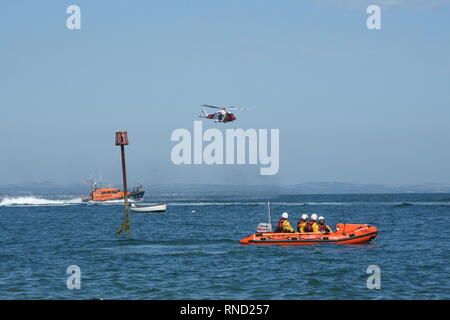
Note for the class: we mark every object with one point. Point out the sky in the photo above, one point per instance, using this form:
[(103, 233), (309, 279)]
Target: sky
[(352, 104)]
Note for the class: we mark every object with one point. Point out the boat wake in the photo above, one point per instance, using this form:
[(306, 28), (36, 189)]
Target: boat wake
[(306, 204), (35, 201), (420, 203), (403, 205), (111, 202), (256, 203), (38, 201)]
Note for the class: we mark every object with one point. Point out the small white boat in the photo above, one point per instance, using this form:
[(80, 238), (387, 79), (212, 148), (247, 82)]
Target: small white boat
[(160, 207)]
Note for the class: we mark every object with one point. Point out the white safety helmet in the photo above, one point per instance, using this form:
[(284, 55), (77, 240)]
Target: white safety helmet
[(304, 216), (321, 218), (314, 217), (285, 215)]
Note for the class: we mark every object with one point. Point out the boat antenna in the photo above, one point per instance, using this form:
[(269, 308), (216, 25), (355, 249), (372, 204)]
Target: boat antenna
[(268, 212), (100, 178)]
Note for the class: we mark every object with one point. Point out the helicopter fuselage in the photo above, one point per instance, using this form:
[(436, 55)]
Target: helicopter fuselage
[(221, 116)]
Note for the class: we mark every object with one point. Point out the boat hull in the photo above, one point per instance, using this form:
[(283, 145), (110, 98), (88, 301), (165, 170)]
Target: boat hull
[(157, 208), (132, 197), (345, 234)]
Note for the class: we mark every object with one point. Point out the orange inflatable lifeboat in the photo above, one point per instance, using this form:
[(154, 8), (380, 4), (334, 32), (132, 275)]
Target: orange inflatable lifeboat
[(345, 233)]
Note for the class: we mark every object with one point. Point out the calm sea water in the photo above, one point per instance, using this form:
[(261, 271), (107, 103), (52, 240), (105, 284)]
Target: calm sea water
[(186, 255)]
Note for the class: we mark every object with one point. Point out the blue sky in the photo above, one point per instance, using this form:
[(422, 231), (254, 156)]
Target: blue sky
[(352, 105)]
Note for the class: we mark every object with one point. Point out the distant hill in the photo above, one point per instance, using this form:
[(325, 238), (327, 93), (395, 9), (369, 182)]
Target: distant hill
[(46, 187), (341, 188), (49, 187)]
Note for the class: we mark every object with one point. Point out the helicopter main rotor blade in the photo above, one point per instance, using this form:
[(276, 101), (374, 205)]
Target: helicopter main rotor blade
[(209, 106), (237, 108), (225, 108)]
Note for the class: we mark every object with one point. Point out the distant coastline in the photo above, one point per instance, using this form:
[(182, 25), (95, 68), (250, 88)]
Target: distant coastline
[(49, 187)]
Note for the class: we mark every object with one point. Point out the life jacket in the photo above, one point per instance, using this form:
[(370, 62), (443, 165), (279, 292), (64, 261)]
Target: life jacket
[(309, 225), (324, 228), (280, 226), (299, 224)]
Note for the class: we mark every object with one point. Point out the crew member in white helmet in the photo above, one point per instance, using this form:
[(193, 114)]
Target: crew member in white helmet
[(302, 223), (283, 224), (323, 227), (311, 225)]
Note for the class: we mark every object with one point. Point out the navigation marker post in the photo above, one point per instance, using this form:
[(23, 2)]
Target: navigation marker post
[(122, 141)]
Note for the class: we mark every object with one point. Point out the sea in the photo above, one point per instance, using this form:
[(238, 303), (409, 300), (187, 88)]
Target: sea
[(56, 247)]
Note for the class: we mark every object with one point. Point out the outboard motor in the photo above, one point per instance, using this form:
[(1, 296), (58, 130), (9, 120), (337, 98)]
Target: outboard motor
[(264, 227)]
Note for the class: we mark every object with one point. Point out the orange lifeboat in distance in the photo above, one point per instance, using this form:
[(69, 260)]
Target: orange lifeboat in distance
[(105, 194), (111, 194), (345, 233)]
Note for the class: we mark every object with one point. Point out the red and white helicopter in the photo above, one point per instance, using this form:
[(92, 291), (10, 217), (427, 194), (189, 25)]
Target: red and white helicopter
[(220, 116)]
